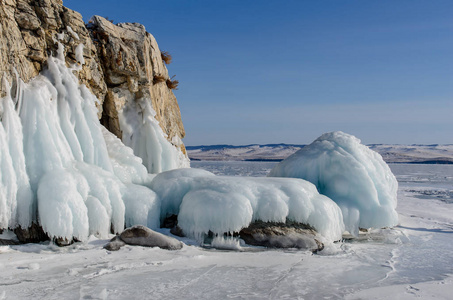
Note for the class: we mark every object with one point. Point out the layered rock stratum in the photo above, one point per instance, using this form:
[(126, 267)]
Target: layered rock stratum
[(121, 62)]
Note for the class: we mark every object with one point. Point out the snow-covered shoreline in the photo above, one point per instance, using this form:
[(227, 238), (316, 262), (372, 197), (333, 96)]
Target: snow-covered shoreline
[(429, 154)]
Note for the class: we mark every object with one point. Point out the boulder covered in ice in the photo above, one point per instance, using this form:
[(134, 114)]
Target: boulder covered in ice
[(114, 244), (281, 235), (143, 236), (349, 173), (206, 203)]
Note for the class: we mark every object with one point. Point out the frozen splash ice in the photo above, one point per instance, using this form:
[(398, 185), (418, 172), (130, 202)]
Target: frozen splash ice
[(207, 203), (349, 173)]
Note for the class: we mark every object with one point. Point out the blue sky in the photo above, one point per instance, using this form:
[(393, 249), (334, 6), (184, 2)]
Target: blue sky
[(288, 71)]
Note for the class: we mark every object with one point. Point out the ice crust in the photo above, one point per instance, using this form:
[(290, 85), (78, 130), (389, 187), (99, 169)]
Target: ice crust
[(205, 202), (61, 168), (349, 173)]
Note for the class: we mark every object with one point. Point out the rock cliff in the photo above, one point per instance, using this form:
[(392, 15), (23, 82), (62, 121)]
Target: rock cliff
[(121, 62)]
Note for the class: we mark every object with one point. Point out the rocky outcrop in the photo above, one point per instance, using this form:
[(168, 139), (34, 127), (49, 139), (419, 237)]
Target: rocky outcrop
[(121, 62), (134, 69), (29, 31)]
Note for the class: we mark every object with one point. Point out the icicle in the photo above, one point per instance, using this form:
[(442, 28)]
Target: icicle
[(60, 51), (79, 54), (19, 96)]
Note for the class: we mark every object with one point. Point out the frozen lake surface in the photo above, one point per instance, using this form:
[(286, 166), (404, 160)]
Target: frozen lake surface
[(413, 260)]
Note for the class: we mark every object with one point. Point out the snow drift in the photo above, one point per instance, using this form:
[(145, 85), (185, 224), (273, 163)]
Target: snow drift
[(205, 202), (349, 173)]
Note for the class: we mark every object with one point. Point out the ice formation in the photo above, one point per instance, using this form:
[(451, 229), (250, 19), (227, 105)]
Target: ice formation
[(142, 133), (61, 168), (205, 202), (349, 173), (16, 197)]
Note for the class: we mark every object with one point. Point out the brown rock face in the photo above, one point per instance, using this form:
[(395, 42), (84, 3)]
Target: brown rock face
[(121, 60), (131, 61)]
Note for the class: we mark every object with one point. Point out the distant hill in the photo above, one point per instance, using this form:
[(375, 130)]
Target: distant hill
[(428, 154)]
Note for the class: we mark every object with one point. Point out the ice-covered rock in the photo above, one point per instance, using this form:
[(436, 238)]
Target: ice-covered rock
[(349, 173), (143, 236), (60, 170), (206, 203), (281, 235), (114, 244)]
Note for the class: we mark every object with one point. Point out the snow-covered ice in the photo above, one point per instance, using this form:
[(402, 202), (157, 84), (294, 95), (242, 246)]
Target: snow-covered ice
[(349, 173)]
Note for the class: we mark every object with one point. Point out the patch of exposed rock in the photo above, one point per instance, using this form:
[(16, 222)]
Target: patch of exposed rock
[(32, 234), (143, 236), (281, 235), (6, 242)]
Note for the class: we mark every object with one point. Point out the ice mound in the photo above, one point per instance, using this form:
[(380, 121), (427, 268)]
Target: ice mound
[(205, 202), (349, 173)]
